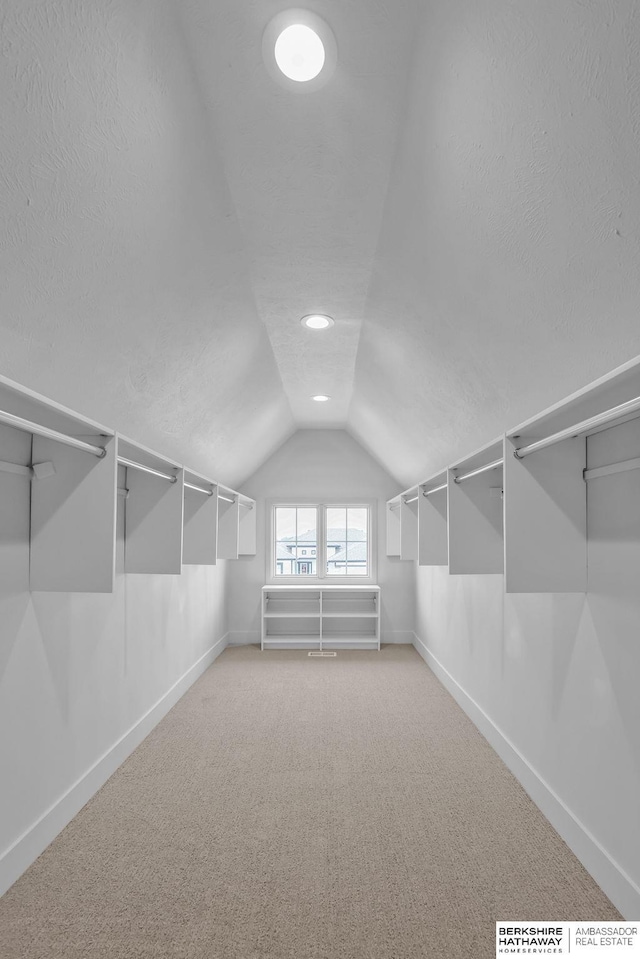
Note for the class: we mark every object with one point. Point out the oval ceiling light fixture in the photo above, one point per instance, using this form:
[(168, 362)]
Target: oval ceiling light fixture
[(299, 53), (321, 398), (299, 50), (317, 321)]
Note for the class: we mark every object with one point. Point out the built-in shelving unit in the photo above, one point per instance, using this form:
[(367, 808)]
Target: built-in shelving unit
[(402, 526), (236, 524), (474, 492), (200, 521), (228, 523), (67, 479), (246, 526), (394, 507), (519, 504), (433, 536), (62, 479), (319, 617), (153, 510), (546, 519), (409, 524)]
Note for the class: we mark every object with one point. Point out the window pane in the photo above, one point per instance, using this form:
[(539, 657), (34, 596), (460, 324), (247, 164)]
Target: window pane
[(336, 558), (336, 524), (358, 522), (296, 541), (307, 524), (285, 522), (357, 559), (296, 547)]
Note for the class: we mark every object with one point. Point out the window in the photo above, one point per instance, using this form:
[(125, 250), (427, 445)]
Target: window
[(335, 541)]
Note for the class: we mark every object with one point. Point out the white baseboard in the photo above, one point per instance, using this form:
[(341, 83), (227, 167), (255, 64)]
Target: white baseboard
[(26, 849), (612, 879)]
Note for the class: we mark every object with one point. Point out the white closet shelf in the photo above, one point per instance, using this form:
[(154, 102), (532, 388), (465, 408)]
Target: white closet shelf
[(536, 532), (349, 641), (25, 403), (137, 453), (620, 386), (295, 615), (66, 474), (359, 615)]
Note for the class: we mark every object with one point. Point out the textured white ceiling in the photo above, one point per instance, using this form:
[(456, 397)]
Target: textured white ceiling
[(308, 175), (462, 197)]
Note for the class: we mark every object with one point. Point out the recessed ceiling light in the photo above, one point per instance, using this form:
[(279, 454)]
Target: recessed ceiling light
[(321, 398), (299, 50), (299, 53), (317, 321)]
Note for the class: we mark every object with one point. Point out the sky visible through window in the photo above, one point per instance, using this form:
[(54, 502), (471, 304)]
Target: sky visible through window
[(297, 547)]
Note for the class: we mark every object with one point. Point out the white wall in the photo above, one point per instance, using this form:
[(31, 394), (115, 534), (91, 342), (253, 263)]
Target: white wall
[(326, 466), (80, 675), (552, 680)]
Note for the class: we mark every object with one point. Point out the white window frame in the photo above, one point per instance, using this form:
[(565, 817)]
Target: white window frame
[(321, 549)]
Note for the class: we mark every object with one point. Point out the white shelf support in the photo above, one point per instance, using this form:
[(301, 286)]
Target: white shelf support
[(622, 467), (14, 468)]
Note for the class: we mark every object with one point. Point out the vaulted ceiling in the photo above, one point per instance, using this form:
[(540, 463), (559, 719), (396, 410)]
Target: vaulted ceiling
[(462, 196)]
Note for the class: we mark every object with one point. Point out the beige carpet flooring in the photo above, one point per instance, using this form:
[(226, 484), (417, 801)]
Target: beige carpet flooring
[(299, 808)]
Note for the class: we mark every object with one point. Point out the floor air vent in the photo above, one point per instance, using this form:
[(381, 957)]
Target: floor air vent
[(324, 652)]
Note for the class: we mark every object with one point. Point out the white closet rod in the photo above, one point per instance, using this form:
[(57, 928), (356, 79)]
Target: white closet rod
[(394, 506), (147, 469), (36, 430), (612, 468), (199, 489), (436, 489), (227, 499), (481, 469), (412, 500), (600, 419), (123, 491), (246, 505)]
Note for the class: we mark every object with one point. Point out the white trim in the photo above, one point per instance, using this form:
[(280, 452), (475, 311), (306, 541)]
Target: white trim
[(26, 849), (612, 879)]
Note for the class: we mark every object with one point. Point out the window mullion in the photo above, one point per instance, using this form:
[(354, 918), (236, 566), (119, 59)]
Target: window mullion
[(322, 541)]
